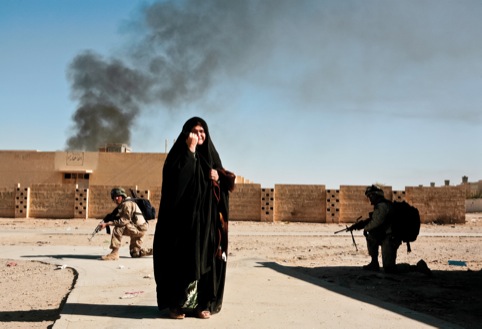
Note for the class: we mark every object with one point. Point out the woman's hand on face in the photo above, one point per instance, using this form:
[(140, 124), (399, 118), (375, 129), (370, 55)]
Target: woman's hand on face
[(192, 141)]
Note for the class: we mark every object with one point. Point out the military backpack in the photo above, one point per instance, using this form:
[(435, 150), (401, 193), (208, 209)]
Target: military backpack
[(405, 222)]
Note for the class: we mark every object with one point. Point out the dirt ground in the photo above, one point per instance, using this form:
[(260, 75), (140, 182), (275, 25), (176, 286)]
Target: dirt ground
[(452, 293)]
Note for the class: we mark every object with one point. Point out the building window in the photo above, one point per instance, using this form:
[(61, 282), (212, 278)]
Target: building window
[(73, 178)]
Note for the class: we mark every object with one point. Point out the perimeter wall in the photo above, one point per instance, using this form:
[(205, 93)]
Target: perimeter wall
[(63, 185)]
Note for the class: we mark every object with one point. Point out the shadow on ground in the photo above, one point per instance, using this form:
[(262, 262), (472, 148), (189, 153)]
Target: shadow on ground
[(29, 316), (453, 296), (69, 256), (114, 310)]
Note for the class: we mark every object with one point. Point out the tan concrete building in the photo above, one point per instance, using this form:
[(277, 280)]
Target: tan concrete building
[(45, 177)]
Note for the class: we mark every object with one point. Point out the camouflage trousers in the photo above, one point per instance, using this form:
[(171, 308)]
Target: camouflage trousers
[(136, 233), (389, 245)]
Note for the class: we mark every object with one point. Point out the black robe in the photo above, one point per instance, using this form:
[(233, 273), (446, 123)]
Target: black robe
[(192, 225)]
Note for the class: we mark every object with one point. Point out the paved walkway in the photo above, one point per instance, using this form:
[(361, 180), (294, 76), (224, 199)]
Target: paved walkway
[(259, 294)]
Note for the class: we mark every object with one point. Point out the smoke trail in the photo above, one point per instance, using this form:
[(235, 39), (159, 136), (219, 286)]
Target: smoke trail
[(181, 49), (351, 56), (109, 94)]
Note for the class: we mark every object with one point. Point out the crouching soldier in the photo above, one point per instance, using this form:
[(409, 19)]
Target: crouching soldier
[(378, 233), (127, 220)]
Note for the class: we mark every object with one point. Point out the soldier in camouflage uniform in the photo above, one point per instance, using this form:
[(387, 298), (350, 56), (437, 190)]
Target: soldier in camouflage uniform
[(378, 233), (128, 220)]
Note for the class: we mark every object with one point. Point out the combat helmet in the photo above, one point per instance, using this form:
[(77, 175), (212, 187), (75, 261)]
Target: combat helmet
[(374, 190), (116, 191)]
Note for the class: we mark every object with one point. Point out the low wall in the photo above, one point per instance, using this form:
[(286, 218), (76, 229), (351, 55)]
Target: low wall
[(300, 203), (101, 203), (7, 203), (354, 204), (473, 205), (245, 203), (51, 201), (440, 205), (249, 202)]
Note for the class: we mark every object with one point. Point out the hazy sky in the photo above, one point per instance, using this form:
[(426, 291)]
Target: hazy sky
[(294, 92)]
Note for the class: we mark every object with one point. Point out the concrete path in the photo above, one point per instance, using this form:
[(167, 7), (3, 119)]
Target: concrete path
[(259, 294)]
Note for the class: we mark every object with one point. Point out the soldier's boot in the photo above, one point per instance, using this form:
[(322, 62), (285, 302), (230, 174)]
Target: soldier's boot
[(114, 255), (147, 252), (372, 266), (422, 267)]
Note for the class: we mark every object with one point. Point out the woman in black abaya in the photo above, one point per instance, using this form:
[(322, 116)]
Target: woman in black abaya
[(190, 242)]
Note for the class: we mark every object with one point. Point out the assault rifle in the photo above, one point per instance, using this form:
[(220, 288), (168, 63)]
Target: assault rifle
[(106, 219), (359, 224)]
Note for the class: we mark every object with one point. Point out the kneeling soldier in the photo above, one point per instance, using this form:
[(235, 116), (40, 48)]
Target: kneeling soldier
[(127, 220)]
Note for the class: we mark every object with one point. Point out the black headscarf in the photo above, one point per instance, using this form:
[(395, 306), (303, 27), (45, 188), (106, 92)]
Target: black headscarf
[(207, 149)]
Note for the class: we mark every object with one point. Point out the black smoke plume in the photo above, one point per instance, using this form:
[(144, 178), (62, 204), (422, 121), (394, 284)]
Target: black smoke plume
[(180, 49), (109, 94), (368, 57)]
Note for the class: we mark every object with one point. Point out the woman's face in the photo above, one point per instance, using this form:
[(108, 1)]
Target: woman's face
[(198, 130)]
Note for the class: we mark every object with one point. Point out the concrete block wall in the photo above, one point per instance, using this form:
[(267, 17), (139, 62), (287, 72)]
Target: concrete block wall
[(398, 196), (267, 204), (52, 201), (81, 204), (332, 206), (22, 202), (444, 205), (7, 202), (70, 201), (473, 190), (441, 205), (47, 192), (101, 204), (250, 202), (300, 203), (473, 205), (245, 203), (354, 203)]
